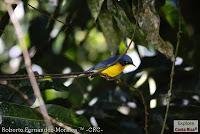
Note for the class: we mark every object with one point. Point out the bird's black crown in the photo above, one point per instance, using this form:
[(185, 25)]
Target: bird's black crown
[(125, 60)]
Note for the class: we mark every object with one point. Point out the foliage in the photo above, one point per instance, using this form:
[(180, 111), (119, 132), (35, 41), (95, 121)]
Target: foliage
[(73, 35)]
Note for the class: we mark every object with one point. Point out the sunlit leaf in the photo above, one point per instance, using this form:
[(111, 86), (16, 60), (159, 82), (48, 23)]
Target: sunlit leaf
[(170, 13), (51, 94), (57, 46), (122, 48)]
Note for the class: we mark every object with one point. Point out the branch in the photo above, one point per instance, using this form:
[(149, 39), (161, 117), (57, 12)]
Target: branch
[(53, 17), (169, 94), (46, 14), (145, 113), (143, 101), (134, 31), (27, 60), (52, 76), (23, 96)]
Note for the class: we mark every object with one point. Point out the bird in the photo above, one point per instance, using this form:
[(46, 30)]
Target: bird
[(112, 67)]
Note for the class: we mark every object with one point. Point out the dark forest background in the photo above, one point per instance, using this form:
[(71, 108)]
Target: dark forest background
[(72, 35)]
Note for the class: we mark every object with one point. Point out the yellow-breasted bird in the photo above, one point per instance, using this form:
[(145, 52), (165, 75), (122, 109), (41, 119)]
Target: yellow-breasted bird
[(112, 67)]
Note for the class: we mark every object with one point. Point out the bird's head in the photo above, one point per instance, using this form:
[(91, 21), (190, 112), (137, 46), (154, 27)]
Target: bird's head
[(126, 60)]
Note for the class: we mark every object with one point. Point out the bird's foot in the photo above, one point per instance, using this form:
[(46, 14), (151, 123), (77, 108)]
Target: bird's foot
[(108, 77)]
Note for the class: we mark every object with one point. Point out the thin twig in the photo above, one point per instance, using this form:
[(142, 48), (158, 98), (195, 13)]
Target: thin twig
[(20, 93), (169, 94), (134, 31), (52, 76), (145, 113), (141, 95), (53, 17), (129, 45), (46, 14), (138, 52), (27, 60)]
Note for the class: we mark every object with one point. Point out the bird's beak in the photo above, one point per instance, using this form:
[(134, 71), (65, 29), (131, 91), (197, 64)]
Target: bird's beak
[(133, 64)]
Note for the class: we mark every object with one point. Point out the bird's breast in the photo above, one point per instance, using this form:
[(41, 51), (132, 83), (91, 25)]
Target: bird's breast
[(113, 70)]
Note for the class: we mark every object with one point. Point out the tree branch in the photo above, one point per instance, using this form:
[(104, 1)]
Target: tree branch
[(52, 76), (46, 14), (27, 60), (145, 112), (169, 94)]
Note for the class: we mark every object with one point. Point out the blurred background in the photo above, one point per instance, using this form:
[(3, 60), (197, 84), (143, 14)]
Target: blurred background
[(66, 36)]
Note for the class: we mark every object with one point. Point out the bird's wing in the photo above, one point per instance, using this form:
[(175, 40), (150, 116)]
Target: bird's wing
[(103, 64)]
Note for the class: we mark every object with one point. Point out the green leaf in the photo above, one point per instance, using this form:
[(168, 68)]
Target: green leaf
[(8, 92), (70, 53), (122, 47), (1, 13), (51, 94), (67, 115), (170, 13), (95, 7), (76, 92), (109, 30), (57, 45), (18, 116), (126, 26), (123, 22), (27, 40)]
